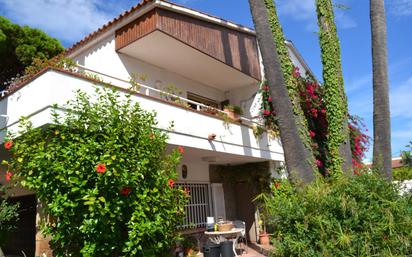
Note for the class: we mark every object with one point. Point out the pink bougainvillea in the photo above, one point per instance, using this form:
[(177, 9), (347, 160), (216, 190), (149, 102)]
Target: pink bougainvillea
[(313, 105)]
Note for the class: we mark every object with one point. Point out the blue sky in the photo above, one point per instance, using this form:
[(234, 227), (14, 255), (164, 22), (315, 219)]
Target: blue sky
[(71, 20)]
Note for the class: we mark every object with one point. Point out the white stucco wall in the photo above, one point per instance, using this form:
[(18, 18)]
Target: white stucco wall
[(103, 58), (198, 171), (191, 128)]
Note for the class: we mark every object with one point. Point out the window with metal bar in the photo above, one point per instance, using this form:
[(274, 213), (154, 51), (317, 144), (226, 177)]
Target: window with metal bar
[(198, 207)]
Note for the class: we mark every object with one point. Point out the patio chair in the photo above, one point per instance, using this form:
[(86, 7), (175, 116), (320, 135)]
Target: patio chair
[(243, 237)]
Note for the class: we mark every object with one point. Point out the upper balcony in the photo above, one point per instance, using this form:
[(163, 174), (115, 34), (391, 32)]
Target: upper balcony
[(206, 52), (193, 121)]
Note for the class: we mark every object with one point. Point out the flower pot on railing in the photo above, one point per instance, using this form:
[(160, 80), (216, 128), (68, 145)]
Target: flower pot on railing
[(233, 112), (209, 110)]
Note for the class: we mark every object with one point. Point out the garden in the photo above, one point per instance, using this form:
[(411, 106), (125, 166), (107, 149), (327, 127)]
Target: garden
[(105, 176)]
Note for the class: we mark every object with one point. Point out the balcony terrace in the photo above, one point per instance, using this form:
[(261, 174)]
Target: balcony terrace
[(193, 121)]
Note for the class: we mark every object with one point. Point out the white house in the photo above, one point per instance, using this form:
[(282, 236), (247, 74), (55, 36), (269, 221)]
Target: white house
[(211, 62)]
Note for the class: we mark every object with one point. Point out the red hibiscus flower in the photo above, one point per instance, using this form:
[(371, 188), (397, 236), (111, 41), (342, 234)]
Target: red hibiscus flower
[(356, 172), (8, 175), (266, 88), (181, 149), (266, 112), (101, 168), (125, 191), (8, 145), (270, 99), (171, 182)]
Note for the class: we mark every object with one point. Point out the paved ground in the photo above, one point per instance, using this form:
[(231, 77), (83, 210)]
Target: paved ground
[(252, 253)]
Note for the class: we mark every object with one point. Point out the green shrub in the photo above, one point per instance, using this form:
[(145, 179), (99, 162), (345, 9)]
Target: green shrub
[(8, 219), (104, 177), (358, 216), (402, 173)]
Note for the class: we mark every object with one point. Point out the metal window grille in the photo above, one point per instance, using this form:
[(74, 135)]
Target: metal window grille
[(198, 207)]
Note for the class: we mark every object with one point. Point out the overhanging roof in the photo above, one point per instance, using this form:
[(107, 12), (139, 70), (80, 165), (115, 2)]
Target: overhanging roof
[(163, 50), (143, 7)]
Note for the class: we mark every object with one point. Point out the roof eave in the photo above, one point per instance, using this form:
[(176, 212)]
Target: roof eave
[(140, 9)]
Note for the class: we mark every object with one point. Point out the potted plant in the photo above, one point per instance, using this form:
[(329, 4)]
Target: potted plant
[(263, 200), (264, 238), (233, 111)]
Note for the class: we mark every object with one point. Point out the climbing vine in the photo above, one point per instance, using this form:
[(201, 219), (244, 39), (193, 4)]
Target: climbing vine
[(291, 81), (334, 95), (313, 104), (359, 142)]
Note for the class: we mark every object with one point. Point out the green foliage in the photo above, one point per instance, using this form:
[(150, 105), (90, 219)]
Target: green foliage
[(234, 108), (8, 219), (360, 215), (402, 173), (335, 98), (290, 76), (20, 46), (104, 177), (407, 156)]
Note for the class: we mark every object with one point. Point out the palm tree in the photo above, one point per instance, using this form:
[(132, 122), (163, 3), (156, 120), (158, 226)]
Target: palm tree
[(338, 143), (296, 155), (382, 159), (291, 82)]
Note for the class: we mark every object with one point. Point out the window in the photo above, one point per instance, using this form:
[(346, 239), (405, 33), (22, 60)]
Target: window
[(202, 100), (198, 207)]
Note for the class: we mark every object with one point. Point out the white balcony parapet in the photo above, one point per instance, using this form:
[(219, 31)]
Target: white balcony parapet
[(36, 98), (148, 89)]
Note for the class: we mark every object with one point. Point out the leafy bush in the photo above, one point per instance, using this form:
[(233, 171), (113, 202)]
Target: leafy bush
[(402, 173), (357, 216), (8, 219), (104, 178)]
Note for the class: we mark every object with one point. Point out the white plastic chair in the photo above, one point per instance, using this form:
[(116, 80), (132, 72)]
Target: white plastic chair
[(243, 237)]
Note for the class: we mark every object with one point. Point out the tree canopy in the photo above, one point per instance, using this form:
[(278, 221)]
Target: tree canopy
[(19, 45)]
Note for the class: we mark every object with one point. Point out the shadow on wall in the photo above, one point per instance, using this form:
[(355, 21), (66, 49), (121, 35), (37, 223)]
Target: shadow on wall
[(241, 184)]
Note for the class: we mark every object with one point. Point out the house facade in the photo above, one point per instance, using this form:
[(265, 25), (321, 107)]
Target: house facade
[(186, 66)]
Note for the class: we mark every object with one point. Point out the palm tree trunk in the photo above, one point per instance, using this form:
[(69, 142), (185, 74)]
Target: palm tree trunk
[(337, 115), (382, 159), (291, 82), (296, 156)]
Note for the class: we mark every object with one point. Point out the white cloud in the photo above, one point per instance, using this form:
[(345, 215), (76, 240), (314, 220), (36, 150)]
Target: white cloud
[(304, 10), (68, 20), (400, 7)]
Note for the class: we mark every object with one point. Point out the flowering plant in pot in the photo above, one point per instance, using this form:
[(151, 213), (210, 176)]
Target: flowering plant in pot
[(264, 238), (233, 111), (262, 199)]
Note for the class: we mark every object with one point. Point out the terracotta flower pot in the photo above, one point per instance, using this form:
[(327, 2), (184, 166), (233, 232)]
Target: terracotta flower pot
[(264, 239), (231, 114)]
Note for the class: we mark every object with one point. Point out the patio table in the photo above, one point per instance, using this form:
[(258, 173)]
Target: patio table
[(219, 236)]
